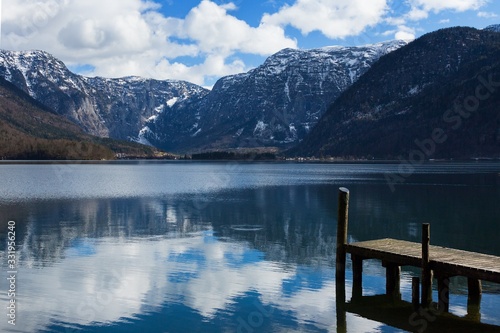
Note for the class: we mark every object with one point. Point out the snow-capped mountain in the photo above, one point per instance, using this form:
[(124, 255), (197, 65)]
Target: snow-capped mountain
[(275, 104), (116, 108), (437, 97)]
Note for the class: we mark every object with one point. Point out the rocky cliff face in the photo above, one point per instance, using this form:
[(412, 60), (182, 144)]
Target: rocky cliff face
[(275, 104), (116, 108)]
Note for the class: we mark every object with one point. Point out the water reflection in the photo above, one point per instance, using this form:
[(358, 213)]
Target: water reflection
[(116, 264), (257, 259)]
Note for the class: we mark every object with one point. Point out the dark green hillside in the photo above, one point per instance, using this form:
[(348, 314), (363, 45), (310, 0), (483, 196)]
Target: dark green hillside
[(30, 131), (437, 97)]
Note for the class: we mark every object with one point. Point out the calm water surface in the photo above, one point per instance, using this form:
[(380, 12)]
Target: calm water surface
[(223, 247)]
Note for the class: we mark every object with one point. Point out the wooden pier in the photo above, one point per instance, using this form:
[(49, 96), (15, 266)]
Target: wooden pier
[(439, 261)]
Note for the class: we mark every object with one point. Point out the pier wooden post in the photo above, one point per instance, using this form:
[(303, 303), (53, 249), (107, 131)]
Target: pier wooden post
[(342, 222), (342, 219), (443, 293), (415, 292), (392, 280), (474, 299), (426, 271), (475, 291), (357, 277)]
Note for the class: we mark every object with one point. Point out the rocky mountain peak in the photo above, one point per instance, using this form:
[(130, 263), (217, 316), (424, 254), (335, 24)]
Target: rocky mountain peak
[(116, 108), (275, 104)]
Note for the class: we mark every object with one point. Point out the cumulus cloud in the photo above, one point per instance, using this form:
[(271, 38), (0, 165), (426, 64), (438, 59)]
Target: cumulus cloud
[(421, 9), (132, 37), (333, 18), (404, 35), (213, 29)]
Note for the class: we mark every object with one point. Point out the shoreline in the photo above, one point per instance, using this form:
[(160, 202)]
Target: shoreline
[(284, 161)]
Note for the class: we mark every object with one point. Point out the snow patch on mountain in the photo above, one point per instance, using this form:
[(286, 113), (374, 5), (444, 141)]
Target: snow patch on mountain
[(171, 102), (119, 108), (141, 138), (259, 128)]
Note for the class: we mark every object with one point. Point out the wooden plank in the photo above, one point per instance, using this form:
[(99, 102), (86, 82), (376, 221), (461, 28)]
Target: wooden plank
[(391, 250), (470, 264), (446, 261)]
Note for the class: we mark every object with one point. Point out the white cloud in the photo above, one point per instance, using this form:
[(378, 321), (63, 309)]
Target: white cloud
[(487, 15), (333, 18), (440, 5), (214, 30), (395, 20), (417, 14), (420, 9), (388, 32), (131, 37), (405, 33), (142, 278)]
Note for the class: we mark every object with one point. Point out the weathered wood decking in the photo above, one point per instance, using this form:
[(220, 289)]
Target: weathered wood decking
[(439, 261), (442, 260)]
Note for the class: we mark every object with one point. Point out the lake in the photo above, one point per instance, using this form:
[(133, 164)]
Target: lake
[(224, 247)]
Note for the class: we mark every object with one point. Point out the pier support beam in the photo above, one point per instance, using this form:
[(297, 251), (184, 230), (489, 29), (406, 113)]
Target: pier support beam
[(357, 277), (474, 299), (415, 292), (475, 291), (426, 270), (392, 280), (443, 293), (342, 222)]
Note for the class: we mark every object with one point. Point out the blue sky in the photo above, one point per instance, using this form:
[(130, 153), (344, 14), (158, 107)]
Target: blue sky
[(201, 40)]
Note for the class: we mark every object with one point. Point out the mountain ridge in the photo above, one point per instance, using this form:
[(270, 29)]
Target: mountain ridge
[(410, 93), (371, 101), (274, 104), (30, 130), (180, 116), (105, 107)]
